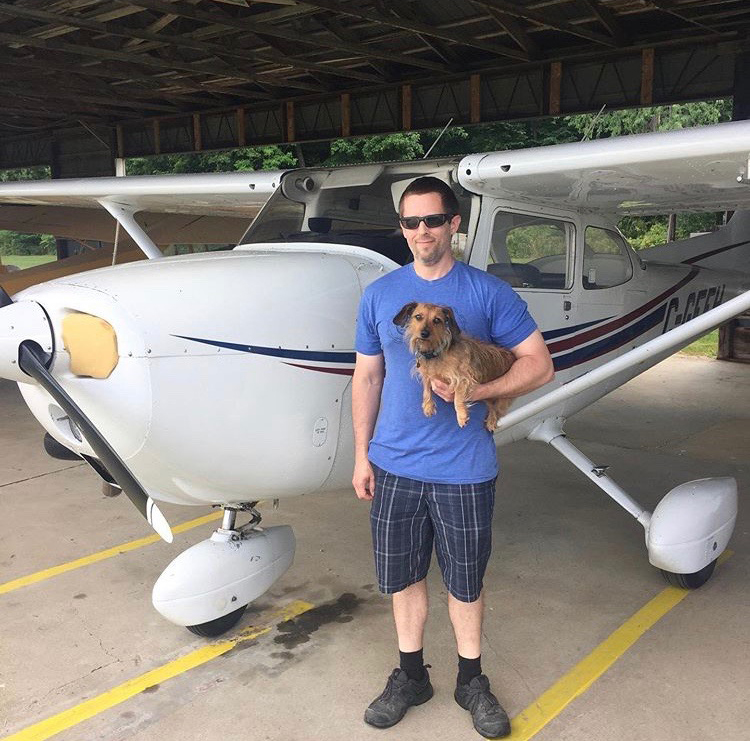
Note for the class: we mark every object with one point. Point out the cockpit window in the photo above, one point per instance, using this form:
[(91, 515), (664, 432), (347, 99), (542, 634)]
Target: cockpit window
[(606, 262), (531, 251)]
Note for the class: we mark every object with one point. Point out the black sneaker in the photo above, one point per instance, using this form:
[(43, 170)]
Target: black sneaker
[(399, 695), (489, 718)]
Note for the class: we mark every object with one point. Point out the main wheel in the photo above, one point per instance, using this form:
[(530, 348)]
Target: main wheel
[(690, 581), (214, 628)]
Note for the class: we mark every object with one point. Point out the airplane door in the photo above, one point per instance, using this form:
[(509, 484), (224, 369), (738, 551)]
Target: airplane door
[(535, 254), (604, 297)]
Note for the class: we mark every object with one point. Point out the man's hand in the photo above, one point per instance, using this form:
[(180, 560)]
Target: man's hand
[(443, 390), (363, 480)]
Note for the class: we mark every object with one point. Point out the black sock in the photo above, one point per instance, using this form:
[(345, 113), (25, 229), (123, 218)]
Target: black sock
[(412, 663), (468, 669)]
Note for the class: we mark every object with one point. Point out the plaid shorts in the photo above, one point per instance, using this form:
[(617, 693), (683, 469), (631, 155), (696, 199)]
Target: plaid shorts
[(407, 516)]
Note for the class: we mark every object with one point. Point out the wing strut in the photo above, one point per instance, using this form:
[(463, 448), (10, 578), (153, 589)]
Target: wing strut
[(671, 340), (125, 216)]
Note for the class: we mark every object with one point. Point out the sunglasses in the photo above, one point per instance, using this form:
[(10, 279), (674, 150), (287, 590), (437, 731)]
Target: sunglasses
[(433, 221)]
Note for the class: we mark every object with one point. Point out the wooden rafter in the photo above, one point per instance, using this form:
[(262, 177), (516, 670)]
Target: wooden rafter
[(186, 43), (546, 19), (250, 23)]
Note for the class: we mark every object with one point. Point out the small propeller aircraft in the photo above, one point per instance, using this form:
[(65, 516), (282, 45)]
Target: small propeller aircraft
[(225, 378)]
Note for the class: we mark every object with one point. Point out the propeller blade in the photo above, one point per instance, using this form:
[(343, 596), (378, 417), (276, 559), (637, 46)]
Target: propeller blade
[(34, 361)]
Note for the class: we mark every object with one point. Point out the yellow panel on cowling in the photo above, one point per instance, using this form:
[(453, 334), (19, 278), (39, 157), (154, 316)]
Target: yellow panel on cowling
[(92, 344)]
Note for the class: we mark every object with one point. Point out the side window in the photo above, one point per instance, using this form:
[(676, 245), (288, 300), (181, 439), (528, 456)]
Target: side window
[(606, 262), (531, 251)]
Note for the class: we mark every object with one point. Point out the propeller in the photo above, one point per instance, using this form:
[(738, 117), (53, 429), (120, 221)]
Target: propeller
[(34, 361)]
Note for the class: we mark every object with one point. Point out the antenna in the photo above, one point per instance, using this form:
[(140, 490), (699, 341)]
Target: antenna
[(590, 129), (445, 128)]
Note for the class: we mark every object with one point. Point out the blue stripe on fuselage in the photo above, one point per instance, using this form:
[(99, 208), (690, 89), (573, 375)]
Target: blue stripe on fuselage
[(277, 352)]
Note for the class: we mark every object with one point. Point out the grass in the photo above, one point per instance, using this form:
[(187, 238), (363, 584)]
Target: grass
[(704, 347), (26, 261)]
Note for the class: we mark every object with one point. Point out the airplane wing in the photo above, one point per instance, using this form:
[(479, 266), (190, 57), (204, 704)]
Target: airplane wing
[(203, 208), (697, 169)]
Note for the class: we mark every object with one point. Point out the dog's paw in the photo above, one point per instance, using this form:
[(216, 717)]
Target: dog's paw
[(429, 409), (491, 423), (463, 419)]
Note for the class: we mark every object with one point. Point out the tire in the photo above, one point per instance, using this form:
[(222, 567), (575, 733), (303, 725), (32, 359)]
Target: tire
[(214, 628), (690, 581), (58, 450)]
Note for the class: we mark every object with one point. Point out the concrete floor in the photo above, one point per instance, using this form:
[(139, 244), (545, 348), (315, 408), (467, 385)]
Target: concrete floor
[(569, 567)]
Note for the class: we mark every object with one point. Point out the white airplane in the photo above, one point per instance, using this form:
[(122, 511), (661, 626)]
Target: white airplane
[(225, 378)]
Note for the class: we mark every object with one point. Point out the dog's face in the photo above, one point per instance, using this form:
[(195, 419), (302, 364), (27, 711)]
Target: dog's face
[(429, 329)]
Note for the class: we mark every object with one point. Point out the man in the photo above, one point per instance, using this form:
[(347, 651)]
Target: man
[(428, 479)]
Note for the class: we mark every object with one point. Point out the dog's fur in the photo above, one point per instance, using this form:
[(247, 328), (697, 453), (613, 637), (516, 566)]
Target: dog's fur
[(445, 354)]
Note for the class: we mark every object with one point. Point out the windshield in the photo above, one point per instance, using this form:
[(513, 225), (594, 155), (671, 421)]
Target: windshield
[(350, 205)]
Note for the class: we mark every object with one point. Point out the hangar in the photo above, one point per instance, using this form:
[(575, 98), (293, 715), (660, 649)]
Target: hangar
[(572, 606)]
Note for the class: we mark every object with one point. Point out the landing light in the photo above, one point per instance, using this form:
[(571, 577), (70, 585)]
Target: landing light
[(92, 345)]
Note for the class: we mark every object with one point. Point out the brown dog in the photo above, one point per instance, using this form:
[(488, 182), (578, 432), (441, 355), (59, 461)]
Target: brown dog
[(443, 353)]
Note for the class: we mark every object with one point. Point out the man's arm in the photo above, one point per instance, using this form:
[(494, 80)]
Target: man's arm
[(531, 369), (367, 385)]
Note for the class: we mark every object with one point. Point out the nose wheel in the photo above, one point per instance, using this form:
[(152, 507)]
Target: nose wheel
[(207, 587), (214, 628)]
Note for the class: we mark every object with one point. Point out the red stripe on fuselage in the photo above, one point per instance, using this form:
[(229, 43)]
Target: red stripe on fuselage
[(337, 371), (592, 334)]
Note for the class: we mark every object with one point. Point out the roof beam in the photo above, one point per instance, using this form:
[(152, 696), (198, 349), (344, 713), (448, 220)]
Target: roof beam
[(514, 29), (608, 19), (99, 53), (546, 19), (66, 93), (250, 24), (418, 28), (668, 6), (147, 87), (187, 43), (332, 25), (159, 84)]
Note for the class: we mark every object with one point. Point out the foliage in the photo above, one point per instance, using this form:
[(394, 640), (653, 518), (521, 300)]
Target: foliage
[(13, 243), (648, 231), (25, 173), (269, 157), (643, 120), (382, 148)]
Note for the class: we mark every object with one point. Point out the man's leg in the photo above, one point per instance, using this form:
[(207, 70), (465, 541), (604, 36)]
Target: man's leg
[(466, 618), (462, 522), (402, 540), (410, 616)]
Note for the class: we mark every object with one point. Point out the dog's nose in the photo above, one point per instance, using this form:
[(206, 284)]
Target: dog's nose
[(424, 334)]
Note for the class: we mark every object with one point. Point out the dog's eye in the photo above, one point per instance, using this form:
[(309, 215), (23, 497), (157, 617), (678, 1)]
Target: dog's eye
[(418, 317), (437, 320)]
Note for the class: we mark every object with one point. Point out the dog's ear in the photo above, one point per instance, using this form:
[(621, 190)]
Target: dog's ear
[(450, 320), (404, 314)]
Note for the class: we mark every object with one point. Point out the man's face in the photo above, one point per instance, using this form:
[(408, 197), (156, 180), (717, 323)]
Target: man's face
[(429, 246)]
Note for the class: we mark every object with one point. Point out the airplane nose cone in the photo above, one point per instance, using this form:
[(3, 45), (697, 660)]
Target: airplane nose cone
[(19, 321)]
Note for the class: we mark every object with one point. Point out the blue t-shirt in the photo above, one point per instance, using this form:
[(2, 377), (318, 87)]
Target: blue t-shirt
[(406, 443)]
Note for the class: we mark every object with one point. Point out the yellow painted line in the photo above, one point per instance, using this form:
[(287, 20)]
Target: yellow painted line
[(88, 709), (550, 704), (25, 581)]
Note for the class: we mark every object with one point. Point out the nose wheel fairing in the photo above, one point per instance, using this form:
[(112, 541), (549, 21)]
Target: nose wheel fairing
[(221, 575)]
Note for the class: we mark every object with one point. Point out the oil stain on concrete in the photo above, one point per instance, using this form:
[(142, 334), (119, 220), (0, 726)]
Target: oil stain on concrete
[(296, 631)]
